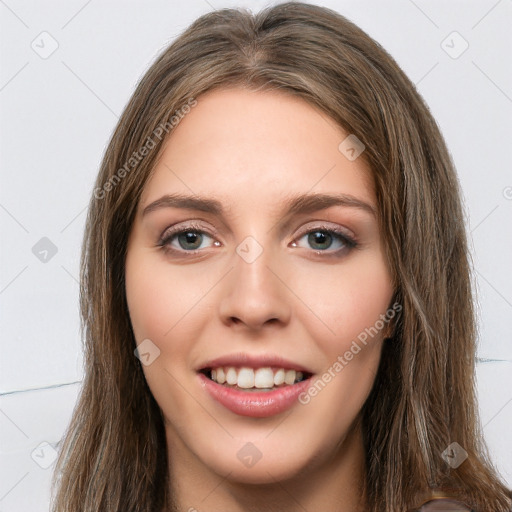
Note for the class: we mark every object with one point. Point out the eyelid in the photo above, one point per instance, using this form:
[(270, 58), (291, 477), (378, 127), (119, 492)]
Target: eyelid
[(321, 225), (183, 227), (310, 226)]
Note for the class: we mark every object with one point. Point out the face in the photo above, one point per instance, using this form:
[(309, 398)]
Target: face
[(246, 279)]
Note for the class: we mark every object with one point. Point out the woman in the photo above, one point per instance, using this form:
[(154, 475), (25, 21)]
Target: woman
[(275, 288)]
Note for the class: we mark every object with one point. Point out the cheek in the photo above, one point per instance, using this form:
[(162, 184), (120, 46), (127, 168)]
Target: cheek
[(161, 305), (344, 302), (160, 298), (147, 300), (350, 305)]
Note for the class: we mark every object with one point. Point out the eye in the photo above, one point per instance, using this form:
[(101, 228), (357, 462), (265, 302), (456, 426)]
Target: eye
[(323, 239), (190, 238), (193, 238)]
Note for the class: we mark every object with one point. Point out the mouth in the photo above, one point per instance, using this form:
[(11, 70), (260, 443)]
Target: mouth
[(248, 379), (247, 388)]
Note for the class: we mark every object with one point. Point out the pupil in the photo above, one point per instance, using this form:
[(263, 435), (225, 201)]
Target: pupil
[(320, 237), (189, 238)]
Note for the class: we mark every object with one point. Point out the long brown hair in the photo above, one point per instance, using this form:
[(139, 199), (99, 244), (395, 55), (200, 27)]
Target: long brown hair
[(114, 453)]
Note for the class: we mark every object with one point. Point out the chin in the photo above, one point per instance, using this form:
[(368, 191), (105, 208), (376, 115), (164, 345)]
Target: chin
[(264, 472), (259, 462)]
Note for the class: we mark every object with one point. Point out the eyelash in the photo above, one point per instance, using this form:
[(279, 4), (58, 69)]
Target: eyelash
[(348, 242)]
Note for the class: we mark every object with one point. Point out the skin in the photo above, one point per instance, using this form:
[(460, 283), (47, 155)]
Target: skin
[(298, 299)]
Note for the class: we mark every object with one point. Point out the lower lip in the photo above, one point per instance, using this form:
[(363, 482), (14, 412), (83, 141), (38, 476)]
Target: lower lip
[(253, 403)]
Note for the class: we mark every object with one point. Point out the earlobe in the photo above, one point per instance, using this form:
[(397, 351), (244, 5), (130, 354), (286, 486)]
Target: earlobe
[(441, 504)]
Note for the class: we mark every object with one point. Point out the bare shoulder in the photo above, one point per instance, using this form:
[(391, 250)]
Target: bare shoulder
[(444, 505)]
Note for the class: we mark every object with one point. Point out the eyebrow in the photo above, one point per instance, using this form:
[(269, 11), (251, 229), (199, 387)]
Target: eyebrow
[(302, 203)]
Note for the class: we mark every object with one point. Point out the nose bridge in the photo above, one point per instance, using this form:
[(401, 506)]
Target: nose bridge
[(254, 294)]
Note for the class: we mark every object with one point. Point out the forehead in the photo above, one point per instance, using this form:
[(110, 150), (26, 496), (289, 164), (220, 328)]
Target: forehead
[(257, 147)]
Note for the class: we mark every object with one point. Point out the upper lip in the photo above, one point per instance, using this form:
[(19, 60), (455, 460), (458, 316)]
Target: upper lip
[(253, 361)]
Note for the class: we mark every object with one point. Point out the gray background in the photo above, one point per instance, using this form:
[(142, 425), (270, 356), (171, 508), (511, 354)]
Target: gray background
[(68, 69)]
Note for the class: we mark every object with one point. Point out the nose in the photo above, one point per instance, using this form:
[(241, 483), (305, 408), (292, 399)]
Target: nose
[(255, 294)]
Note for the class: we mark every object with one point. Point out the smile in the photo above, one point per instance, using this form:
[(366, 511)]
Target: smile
[(254, 392), (244, 378)]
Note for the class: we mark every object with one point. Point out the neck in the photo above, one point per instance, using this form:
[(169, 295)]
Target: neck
[(332, 481)]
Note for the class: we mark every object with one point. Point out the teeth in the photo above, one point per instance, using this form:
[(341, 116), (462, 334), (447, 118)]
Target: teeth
[(279, 377), (264, 378), (261, 378), (289, 377), (220, 377), (245, 378), (231, 376)]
